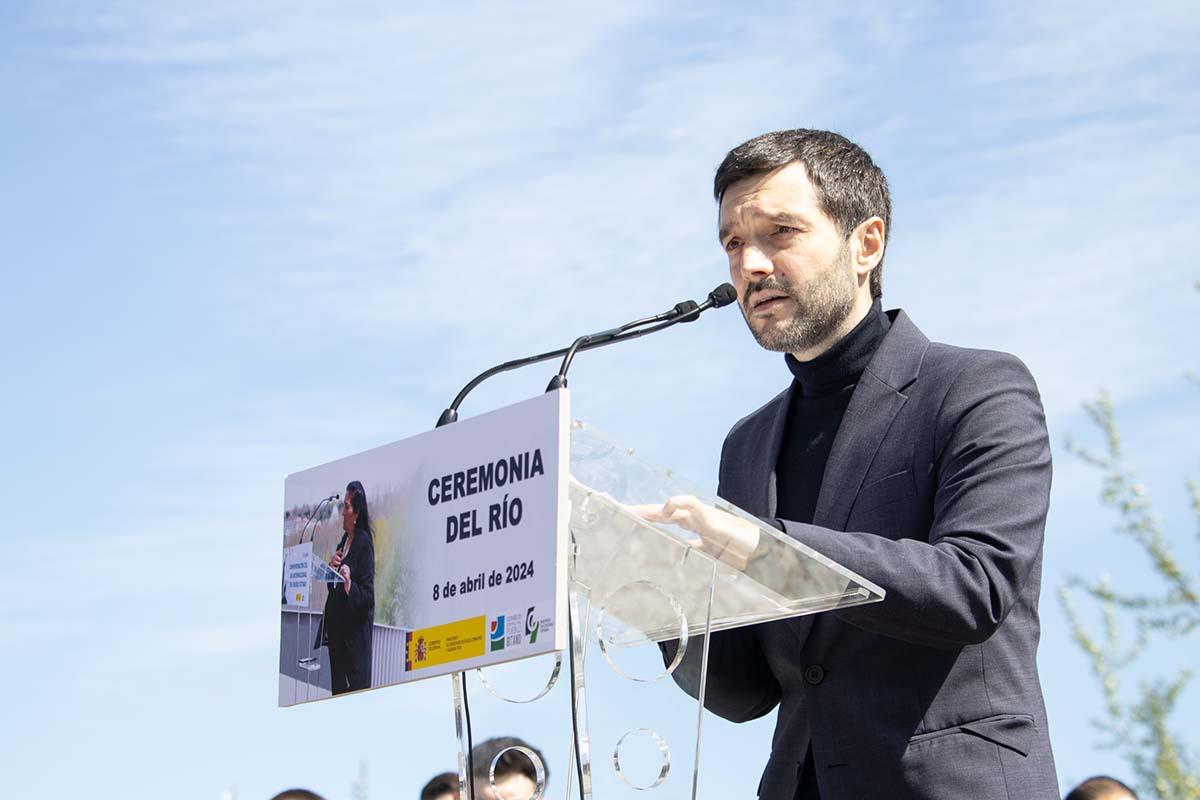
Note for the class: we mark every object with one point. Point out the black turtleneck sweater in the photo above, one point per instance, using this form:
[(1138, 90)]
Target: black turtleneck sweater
[(821, 391)]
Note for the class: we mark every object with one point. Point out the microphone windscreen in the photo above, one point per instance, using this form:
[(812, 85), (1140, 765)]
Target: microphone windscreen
[(723, 295)]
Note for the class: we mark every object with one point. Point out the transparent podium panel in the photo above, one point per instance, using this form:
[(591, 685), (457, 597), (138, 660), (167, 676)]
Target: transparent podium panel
[(303, 665), (635, 730), (303, 660), (323, 573), (615, 546), (644, 595)]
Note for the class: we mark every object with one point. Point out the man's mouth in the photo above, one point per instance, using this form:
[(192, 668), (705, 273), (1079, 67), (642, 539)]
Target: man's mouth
[(766, 301)]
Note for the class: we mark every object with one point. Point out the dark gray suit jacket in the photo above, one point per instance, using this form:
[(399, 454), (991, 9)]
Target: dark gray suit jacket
[(936, 489)]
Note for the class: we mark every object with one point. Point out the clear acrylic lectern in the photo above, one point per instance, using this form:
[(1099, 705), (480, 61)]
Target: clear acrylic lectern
[(634, 584)]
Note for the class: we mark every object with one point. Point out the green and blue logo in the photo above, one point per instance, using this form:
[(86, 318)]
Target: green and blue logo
[(496, 635)]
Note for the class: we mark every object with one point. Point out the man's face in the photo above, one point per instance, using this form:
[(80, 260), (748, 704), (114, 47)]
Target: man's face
[(791, 266)]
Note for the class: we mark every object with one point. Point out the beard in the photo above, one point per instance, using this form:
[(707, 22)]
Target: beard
[(820, 308)]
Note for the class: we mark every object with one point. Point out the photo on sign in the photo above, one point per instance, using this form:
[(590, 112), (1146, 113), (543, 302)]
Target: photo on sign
[(347, 581), (434, 554)]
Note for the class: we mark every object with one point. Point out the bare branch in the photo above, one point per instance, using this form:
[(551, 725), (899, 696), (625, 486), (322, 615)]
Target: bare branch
[(1139, 729)]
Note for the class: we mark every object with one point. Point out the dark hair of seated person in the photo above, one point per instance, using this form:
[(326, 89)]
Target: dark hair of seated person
[(440, 785), (1101, 787), (510, 762), (297, 794)]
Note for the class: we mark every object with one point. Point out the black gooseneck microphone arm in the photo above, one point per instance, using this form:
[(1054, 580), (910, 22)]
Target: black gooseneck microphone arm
[(331, 498), (687, 311)]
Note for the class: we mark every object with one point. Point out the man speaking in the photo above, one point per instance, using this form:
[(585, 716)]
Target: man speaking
[(923, 467)]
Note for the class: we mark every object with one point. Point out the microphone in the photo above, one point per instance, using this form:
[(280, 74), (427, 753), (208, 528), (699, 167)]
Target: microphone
[(719, 297), (685, 311), (679, 309), (723, 295)]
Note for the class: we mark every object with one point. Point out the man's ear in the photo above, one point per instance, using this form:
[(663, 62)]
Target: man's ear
[(868, 239)]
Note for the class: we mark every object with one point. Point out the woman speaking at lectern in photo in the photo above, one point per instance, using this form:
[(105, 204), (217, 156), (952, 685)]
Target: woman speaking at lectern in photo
[(350, 607)]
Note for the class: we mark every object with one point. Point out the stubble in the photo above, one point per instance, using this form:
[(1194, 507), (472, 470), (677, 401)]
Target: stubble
[(820, 309)]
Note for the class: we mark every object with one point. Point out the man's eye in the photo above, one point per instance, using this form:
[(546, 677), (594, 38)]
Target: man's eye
[(732, 245), (786, 229)]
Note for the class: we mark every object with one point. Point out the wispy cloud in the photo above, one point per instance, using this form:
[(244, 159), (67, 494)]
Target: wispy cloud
[(426, 208)]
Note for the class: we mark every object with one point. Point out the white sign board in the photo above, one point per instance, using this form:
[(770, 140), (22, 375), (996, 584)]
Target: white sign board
[(297, 561), (469, 536)]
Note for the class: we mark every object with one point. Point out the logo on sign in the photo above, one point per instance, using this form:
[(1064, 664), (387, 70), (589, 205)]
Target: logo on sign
[(496, 634), (531, 625)]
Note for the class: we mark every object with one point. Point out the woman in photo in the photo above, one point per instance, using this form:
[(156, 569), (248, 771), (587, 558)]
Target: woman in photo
[(350, 608)]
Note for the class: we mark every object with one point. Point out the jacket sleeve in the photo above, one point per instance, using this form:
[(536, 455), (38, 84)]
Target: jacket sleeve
[(740, 685), (331, 585), (362, 580), (989, 514)]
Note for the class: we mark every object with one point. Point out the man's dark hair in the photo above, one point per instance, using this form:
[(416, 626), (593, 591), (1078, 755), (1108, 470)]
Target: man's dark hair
[(1099, 787), (850, 188), (510, 762), (297, 794), (446, 783)]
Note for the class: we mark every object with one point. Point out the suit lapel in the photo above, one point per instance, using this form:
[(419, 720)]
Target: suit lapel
[(770, 443), (873, 407), (755, 489), (876, 401)]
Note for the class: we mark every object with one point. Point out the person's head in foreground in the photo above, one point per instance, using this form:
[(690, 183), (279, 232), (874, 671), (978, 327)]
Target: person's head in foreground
[(804, 220), (441, 787), (297, 794), (515, 776), (1102, 787)]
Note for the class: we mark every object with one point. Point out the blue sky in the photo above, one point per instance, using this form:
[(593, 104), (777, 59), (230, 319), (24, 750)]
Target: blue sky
[(240, 240)]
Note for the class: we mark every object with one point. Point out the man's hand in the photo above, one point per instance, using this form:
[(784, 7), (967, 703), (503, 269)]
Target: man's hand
[(345, 573), (731, 539)]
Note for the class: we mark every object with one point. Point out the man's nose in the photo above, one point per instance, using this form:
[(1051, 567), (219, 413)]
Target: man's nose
[(754, 263)]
